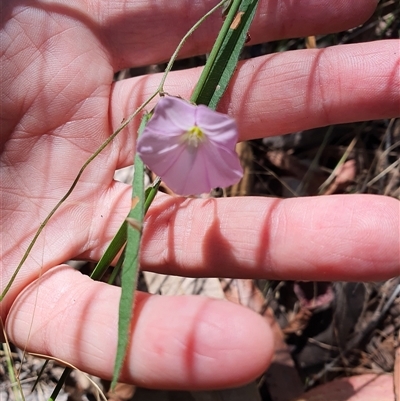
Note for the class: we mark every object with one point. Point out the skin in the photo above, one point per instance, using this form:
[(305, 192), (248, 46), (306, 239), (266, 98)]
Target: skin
[(59, 104)]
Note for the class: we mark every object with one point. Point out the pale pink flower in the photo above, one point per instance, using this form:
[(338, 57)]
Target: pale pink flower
[(192, 148)]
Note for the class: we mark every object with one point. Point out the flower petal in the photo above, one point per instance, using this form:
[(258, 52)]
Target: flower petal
[(159, 150), (188, 176), (217, 126), (172, 113), (222, 165), (200, 170)]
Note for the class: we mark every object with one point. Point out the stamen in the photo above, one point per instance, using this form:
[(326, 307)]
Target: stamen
[(194, 136)]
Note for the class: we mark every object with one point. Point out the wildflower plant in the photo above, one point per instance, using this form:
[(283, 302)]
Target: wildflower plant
[(191, 147)]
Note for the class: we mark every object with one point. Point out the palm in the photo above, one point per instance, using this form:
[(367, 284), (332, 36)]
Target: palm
[(59, 105), (62, 117)]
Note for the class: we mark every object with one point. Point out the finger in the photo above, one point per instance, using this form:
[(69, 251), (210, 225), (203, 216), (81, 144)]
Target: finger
[(349, 238), (286, 92), (308, 89), (140, 34), (176, 342)]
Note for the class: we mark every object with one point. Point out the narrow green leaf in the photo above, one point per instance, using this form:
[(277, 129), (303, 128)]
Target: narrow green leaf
[(111, 252), (230, 13), (217, 75), (130, 265)]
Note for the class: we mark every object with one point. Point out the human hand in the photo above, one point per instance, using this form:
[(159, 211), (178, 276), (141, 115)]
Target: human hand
[(59, 104)]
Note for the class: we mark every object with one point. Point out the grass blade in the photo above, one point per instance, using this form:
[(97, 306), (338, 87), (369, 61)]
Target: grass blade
[(111, 252), (215, 79)]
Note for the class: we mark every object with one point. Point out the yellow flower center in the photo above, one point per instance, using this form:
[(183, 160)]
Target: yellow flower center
[(194, 136)]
